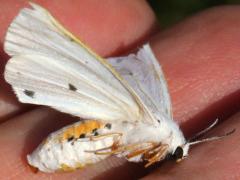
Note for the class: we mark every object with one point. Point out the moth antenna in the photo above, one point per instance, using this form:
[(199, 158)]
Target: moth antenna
[(211, 138), (203, 131)]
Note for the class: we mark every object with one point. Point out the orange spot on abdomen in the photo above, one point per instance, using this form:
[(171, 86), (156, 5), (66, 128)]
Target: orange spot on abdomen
[(84, 127)]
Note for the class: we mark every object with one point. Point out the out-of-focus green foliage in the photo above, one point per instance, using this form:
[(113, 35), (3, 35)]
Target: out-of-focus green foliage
[(171, 11)]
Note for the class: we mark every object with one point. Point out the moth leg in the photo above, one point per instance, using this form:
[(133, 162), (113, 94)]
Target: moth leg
[(138, 151), (102, 151), (132, 148), (157, 156), (153, 150), (107, 150), (102, 136)]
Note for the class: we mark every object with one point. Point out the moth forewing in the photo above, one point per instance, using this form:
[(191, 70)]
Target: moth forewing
[(36, 32)]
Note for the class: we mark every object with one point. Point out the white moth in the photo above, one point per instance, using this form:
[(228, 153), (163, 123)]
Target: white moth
[(124, 102)]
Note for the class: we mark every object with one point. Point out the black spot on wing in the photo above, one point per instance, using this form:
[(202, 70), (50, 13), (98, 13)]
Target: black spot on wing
[(72, 87), (108, 126), (29, 93)]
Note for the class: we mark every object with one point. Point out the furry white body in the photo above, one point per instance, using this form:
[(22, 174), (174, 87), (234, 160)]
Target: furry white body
[(53, 155), (50, 66)]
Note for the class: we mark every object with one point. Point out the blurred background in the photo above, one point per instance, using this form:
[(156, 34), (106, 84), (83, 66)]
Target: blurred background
[(172, 11)]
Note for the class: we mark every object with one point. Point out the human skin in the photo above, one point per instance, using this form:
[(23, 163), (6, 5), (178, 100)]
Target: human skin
[(201, 60)]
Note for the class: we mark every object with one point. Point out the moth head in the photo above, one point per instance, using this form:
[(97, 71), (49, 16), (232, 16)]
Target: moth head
[(180, 152)]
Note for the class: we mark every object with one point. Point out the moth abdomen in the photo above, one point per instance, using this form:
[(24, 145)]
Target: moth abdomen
[(78, 140)]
